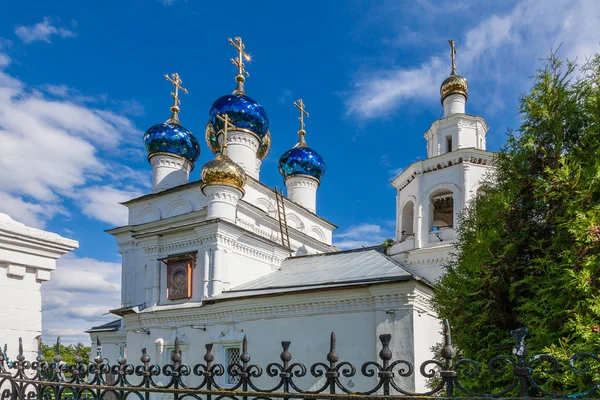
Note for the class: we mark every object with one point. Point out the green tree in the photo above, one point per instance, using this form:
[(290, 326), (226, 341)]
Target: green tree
[(528, 252), (67, 353)]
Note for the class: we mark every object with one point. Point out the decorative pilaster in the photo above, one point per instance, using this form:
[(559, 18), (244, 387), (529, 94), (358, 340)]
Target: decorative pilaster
[(206, 273), (216, 283)]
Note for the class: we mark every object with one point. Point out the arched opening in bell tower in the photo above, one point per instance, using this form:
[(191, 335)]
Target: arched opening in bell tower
[(407, 221), (442, 210)]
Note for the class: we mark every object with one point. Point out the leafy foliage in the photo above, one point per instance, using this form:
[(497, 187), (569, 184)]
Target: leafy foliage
[(528, 252), (67, 353)]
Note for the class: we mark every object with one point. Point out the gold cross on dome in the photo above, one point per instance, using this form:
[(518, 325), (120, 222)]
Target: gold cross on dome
[(299, 104), (226, 126), (176, 81), (452, 55), (239, 60)]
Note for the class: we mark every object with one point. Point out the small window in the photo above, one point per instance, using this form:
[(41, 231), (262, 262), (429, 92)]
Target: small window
[(232, 356), (448, 143)]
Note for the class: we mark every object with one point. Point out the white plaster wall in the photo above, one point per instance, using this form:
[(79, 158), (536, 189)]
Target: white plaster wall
[(170, 204), (357, 315), (467, 131), (257, 194), (165, 205), (21, 311), (427, 332)]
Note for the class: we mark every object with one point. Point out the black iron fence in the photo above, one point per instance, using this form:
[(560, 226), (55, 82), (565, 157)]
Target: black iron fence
[(52, 380)]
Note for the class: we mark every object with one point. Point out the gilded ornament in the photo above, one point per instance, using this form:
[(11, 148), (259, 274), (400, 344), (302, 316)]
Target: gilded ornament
[(454, 84), (222, 170)]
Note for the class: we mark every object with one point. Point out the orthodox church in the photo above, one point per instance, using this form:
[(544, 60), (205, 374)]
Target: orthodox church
[(211, 260)]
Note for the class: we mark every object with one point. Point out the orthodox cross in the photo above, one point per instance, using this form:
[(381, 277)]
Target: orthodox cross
[(239, 61), (300, 106), (452, 54), (226, 126), (176, 81)]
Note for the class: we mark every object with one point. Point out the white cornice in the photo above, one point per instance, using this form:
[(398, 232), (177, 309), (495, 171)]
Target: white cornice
[(17, 234), (213, 233), (460, 156), (402, 295)]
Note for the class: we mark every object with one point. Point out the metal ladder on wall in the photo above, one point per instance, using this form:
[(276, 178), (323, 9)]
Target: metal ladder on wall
[(283, 226)]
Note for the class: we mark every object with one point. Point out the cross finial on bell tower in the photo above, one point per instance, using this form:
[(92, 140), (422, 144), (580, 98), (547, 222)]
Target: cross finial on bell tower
[(226, 126), (176, 81), (299, 104), (239, 63), (452, 56)]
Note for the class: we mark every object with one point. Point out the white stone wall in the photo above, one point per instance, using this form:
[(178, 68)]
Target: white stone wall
[(302, 189), (169, 171), (27, 258), (21, 311), (466, 131), (357, 315)]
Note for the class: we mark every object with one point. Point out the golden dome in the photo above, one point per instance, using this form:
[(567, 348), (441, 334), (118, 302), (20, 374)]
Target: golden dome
[(222, 171), (454, 84)]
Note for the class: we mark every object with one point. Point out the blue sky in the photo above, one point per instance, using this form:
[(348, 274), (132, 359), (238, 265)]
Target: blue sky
[(81, 81)]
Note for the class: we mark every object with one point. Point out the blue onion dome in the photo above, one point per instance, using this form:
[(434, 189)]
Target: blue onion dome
[(172, 138), (244, 113), (301, 160)]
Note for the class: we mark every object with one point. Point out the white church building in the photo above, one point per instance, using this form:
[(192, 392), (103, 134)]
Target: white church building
[(212, 260)]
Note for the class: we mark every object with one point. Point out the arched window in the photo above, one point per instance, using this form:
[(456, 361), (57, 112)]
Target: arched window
[(442, 207), (408, 213)]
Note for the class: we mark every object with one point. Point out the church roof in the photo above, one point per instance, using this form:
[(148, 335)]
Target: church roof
[(328, 270), (108, 327)]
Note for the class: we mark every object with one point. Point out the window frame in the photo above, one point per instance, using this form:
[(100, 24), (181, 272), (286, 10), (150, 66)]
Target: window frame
[(224, 348)]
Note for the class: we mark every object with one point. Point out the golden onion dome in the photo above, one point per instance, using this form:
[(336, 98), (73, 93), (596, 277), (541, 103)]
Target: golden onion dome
[(454, 84), (223, 171)]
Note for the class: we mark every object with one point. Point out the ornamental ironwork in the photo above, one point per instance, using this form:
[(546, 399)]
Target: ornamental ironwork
[(523, 376)]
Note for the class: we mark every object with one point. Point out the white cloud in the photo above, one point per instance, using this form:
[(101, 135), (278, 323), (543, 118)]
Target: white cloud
[(502, 50), (80, 291), (41, 31), (54, 148), (103, 203), (362, 235), (4, 60), (26, 212)]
